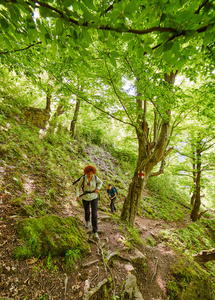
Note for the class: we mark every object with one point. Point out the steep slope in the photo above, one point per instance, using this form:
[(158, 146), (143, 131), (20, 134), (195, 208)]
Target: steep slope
[(145, 262)]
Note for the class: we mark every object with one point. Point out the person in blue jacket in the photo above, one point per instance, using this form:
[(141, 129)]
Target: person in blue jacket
[(111, 192)]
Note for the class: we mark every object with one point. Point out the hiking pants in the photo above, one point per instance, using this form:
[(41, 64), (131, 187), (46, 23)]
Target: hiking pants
[(112, 206), (94, 205)]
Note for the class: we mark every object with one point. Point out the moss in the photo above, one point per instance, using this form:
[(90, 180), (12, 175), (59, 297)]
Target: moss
[(49, 234), (189, 281)]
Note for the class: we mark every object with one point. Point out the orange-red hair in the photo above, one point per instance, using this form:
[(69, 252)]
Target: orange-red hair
[(89, 168)]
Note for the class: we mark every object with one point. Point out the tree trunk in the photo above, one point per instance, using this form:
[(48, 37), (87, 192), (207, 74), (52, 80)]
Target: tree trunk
[(75, 117), (193, 197), (54, 121), (197, 203), (146, 159)]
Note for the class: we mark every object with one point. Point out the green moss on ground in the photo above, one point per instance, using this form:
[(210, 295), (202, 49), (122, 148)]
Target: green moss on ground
[(49, 235), (189, 281)]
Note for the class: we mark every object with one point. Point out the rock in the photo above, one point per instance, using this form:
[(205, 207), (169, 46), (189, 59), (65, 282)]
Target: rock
[(131, 289), (138, 257)]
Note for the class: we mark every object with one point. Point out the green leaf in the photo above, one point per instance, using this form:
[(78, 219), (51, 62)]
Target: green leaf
[(87, 36), (148, 40), (4, 23), (89, 4), (42, 38), (75, 35), (190, 34), (181, 62), (131, 7), (140, 51), (113, 61), (59, 27), (47, 36), (158, 51), (168, 46), (131, 45), (32, 35), (67, 3), (54, 47), (147, 49), (183, 16), (1, 37), (44, 12), (209, 36)]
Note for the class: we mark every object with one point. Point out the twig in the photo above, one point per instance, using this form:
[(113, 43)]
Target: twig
[(66, 282)]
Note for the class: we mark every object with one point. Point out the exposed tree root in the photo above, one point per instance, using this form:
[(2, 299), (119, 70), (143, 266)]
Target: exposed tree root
[(205, 256), (88, 294), (155, 271), (90, 263)]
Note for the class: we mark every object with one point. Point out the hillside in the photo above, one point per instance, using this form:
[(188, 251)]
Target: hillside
[(154, 260)]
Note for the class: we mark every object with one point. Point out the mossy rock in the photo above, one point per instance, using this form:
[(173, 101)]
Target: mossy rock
[(189, 281), (49, 235)]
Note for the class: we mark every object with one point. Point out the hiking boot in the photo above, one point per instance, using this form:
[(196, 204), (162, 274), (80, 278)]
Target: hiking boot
[(96, 236), (88, 224)]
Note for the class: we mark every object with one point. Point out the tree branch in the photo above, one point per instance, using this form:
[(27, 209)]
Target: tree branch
[(22, 49), (131, 30), (109, 8), (115, 91), (201, 6), (103, 111), (161, 170)]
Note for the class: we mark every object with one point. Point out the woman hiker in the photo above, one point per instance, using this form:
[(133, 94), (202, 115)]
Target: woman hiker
[(90, 185)]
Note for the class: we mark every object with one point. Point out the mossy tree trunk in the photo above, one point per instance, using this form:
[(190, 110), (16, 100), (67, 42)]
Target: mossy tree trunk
[(149, 154)]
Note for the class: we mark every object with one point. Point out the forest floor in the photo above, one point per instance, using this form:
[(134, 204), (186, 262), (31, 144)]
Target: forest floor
[(46, 279)]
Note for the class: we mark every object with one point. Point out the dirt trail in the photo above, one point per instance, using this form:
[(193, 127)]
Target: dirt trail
[(32, 279), (151, 279)]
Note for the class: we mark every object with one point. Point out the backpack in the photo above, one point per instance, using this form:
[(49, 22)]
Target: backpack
[(113, 187), (83, 185)]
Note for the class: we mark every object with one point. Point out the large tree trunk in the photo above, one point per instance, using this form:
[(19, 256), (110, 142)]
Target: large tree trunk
[(146, 159)]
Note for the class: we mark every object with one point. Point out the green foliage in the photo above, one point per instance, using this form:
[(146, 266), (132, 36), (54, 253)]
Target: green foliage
[(72, 258), (49, 235), (134, 235), (191, 239), (165, 200), (151, 241)]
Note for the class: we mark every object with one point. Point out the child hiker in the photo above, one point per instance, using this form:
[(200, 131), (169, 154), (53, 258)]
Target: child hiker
[(112, 192)]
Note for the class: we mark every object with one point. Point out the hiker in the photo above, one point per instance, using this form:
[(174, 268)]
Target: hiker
[(112, 192), (90, 184)]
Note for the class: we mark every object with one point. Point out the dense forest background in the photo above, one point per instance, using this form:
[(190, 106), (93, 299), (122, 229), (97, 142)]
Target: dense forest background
[(127, 86)]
